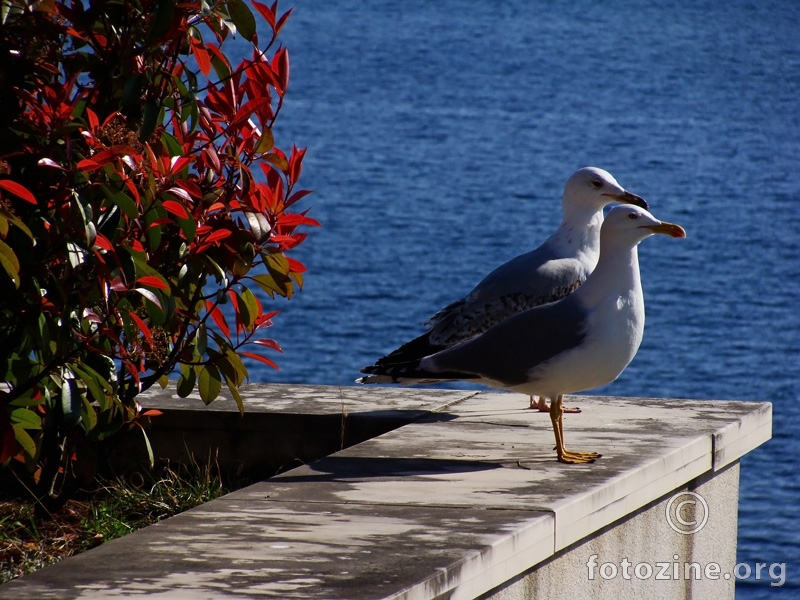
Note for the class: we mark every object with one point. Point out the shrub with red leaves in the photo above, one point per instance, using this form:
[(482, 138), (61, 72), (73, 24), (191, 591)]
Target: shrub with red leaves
[(131, 209)]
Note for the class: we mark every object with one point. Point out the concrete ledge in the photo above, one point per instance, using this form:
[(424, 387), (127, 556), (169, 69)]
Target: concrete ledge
[(460, 503), (284, 426)]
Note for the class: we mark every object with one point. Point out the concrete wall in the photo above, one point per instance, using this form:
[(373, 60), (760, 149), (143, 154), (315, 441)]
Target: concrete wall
[(646, 537)]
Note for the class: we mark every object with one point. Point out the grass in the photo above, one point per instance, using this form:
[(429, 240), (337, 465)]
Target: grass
[(110, 509)]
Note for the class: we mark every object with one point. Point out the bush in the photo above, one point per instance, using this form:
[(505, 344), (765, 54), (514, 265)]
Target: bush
[(130, 210)]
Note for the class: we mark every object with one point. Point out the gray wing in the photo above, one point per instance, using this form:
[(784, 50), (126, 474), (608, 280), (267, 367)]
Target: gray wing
[(525, 282), (508, 351)]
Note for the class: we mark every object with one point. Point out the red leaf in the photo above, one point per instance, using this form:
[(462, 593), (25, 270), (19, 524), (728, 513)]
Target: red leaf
[(18, 190), (297, 196), (152, 412), (247, 110), (103, 242), (220, 56), (159, 222), (178, 164), (218, 235), (133, 190), (153, 281), (219, 318), (260, 358), (201, 56), (293, 220), (296, 164), (265, 320), (280, 65), (176, 208), (295, 266), (268, 343), (142, 326), (266, 12), (213, 158), (91, 116), (282, 21), (235, 302), (87, 164), (191, 188)]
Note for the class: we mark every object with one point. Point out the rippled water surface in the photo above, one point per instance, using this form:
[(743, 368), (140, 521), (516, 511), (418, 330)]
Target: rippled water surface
[(440, 135)]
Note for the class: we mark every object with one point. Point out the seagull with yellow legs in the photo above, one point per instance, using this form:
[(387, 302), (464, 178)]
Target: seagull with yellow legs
[(549, 273), (581, 342)]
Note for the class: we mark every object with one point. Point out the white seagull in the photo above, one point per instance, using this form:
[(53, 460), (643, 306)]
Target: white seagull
[(581, 342), (549, 273)]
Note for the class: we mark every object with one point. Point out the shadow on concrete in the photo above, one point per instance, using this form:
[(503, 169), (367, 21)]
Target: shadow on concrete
[(338, 468), (254, 446)]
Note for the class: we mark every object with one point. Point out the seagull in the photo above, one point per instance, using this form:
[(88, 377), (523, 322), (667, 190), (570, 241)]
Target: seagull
[(549, 273), (578, 343)]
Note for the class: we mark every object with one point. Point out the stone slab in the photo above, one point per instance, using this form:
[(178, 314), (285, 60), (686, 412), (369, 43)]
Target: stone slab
[(454, 503), (284, 398), (283, 426)]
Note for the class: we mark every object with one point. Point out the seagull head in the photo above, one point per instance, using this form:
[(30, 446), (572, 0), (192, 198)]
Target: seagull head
[(596, 188), (632, 224)]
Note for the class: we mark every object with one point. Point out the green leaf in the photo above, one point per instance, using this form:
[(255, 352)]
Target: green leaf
[(236, 395), (189, 227), (10, 263), (242, 310), (268, 284), (125, 203), (171, 144), (265, 142), (186, 381), (221, 67), (25, 440), (277, 263), (147, 446), (215, 270), (238, 365), (151, 111), (210, 383), (231, 366), (132, 93), (92, 380), (96, 375), (252, 304), (16, 221), (27, 401), (70, 402), (201, 340), (88, 414), (243, 18), (26, 418), (95, 391)]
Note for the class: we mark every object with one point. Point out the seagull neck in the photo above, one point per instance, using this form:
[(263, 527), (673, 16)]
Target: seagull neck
[(579, 232), (617, 273)]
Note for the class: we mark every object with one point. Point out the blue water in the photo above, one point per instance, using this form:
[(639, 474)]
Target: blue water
[(439, 138)]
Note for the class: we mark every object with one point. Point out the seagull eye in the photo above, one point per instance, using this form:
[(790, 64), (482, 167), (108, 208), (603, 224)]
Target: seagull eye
[(596, 184), (633, 216)]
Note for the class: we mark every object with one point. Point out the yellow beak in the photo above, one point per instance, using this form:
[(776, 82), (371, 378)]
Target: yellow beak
[(670, 229)]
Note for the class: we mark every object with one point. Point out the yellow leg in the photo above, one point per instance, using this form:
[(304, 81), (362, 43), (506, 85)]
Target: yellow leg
[(564, 455), (540, 403)]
